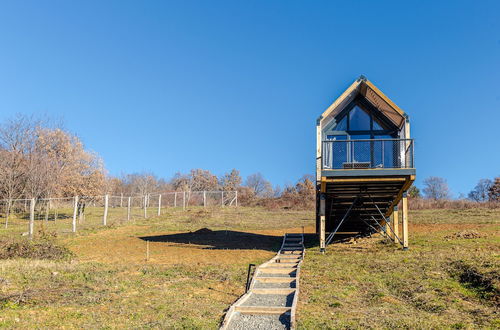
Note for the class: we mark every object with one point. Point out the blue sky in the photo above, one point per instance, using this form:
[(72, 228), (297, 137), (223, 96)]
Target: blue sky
[(168, 86)]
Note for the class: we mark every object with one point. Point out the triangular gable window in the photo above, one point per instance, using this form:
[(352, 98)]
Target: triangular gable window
[(359, 119), (342, 124), (377, 124)]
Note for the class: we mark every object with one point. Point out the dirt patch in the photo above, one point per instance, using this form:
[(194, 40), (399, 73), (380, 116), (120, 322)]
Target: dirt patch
[(44, 249), (485, 283), (465, 234)]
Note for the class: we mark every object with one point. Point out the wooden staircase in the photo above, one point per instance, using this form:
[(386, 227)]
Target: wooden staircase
[(271, 300)]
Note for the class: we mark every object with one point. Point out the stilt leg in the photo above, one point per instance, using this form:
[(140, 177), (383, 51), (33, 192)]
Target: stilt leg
[(322, 225), (405, 221), (395, 223)]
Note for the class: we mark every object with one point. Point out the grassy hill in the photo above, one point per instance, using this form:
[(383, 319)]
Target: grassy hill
[(197, 268)]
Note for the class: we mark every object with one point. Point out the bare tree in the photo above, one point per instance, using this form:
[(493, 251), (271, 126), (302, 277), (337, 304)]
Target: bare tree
[(481, 191), (436, 188), (260, 186)]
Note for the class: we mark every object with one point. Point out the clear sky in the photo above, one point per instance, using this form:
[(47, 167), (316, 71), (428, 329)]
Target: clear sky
[(166, 86)]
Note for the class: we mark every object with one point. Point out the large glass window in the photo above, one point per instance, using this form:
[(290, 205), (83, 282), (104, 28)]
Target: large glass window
[(359, 119), (361, 122)]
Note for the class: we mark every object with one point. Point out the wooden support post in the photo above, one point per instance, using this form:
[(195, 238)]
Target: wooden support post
[(31, 228), (395, 224), (105, 216), (128, 208), (184, 200), (75, 211), (121, 200), (175, 199), (388, 228), (145, 206), (404, 210), (159, 204), (322, 223), (204, 199), (222, 198), (236, 198)]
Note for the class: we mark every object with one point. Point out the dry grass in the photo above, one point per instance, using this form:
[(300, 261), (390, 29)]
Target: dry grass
[(443, 281), (193, 276)]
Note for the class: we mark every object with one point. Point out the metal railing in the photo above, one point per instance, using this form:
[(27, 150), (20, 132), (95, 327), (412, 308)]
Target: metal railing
[(367, 154)]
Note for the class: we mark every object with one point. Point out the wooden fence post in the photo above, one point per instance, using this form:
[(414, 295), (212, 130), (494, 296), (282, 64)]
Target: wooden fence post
[(145, 206), (204, 199), (159, 204), (75, 212), (128, 208), (121, 200), (32, 218), (236, 198), (184, 200), (175, 199), (105, 216), (222, 199)]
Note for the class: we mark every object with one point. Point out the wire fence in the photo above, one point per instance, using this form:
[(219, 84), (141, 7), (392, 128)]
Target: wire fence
[(71, 214)]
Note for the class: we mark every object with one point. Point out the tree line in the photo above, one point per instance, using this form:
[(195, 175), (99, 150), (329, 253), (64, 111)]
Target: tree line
[(436, 188), (40, 159)]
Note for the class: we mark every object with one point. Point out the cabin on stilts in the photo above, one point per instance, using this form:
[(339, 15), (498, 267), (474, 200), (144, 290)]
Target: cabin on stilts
[(364, 166)]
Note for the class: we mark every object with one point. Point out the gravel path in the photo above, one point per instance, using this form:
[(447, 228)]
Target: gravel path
[(281, 300), (260, 322)]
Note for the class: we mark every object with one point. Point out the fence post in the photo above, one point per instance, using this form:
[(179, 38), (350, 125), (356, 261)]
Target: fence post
[(222, 199), (159, 204), (32, 218), (121, 200), (184, 200), (204, 198), (75, 212), (128, 209), (105, 217), (175, 199), (145, 206), (236, 198)]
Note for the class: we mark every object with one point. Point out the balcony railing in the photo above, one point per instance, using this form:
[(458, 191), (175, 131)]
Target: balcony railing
[(367, 154)]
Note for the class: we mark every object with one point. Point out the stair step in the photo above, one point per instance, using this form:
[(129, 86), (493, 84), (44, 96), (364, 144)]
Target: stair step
[(275, 279), (262, 309), (286, 261), (278, 270), (273, 291)]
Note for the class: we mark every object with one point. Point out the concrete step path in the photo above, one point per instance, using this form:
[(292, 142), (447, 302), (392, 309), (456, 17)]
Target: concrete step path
[(271, 300)]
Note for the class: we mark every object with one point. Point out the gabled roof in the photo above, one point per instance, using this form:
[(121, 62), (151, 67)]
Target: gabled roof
[(373, 95)]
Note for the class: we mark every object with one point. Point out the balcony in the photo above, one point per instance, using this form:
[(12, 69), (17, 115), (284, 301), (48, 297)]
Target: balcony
[(370, 154)]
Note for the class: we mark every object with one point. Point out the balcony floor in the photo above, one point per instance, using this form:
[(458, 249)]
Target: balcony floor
[(369, 172)]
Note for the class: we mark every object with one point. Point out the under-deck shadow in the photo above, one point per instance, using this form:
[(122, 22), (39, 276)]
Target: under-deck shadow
[(221, 240), (312, 240)]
